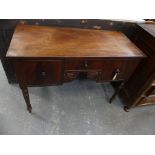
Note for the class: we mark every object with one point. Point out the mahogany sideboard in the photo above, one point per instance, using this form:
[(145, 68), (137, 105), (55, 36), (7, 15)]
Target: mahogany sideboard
[(141, 86), (44, 56)]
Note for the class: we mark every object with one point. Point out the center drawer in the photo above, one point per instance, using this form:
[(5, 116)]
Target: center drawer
[(111, 69), (83, 64)]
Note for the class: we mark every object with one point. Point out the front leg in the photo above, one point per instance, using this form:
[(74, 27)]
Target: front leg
[(26, 97), (116, 92)]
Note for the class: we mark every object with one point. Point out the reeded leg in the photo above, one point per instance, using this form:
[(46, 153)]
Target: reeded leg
[(116, 92), (26, 97)]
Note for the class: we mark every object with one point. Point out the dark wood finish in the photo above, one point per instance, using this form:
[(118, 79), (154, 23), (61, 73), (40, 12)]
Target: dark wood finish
[(125, 67), (7, 27), (140, 87), (83, 64), (26, 96), (116, 92), (40, 41), (50, 56), (39, 72)]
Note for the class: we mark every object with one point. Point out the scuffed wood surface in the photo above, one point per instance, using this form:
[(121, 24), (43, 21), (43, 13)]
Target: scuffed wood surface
[(42, 41)]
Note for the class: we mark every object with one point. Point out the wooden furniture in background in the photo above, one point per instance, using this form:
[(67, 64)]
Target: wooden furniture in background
[(141, 86), (50, 56)]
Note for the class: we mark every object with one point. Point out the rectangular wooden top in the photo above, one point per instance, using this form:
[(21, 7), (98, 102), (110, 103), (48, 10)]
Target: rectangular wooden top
[(42, 41)]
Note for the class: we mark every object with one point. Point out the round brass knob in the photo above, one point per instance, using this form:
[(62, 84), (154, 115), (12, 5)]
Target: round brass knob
[(86, 64), (43, 73)]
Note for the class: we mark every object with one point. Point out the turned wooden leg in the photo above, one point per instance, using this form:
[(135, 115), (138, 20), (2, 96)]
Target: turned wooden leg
[(26, 97), (116, 92)]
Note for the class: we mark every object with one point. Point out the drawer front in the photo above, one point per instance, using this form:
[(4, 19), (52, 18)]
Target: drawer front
[(115, 70), (72, 75), (39, 72), (108, 69), (75, 64)]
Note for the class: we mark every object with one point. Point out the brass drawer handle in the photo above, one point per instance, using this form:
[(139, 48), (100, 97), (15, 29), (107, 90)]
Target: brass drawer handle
[(40, 73), (86, 64), (43, 74), (117, 72)]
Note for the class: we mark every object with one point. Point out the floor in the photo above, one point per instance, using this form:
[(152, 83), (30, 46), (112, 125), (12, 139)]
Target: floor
[(79, 107)]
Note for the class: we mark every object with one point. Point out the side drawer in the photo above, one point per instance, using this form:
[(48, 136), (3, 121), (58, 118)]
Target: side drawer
[(115, 70), (39, 72)]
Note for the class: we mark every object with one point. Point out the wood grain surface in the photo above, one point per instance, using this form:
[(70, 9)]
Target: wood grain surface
[(42, 41)]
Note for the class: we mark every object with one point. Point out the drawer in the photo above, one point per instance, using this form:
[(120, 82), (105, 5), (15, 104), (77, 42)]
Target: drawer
[(39, 72), (72, 75), (84, 64), (114, 70), (111, 69)]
